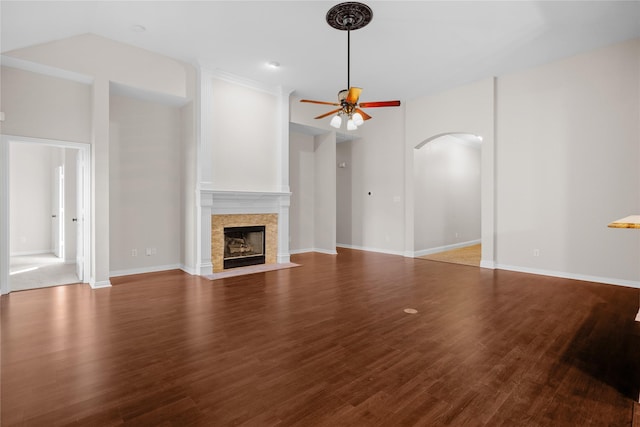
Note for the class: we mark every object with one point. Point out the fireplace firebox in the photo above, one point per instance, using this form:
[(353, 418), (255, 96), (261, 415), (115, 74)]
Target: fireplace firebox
[(244, 246)]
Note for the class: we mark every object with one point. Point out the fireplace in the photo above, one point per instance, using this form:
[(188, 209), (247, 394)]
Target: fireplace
[(219, 223), (244, 246)]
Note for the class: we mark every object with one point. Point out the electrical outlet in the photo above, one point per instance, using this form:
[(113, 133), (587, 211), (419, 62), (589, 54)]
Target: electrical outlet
[(154, 251), (536, 252), (134, 252), (148, 252)]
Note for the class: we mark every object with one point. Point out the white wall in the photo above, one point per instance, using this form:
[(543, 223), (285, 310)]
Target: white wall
[(302, 184), (325, 192), (377, 167), (566, 154), (447, 193), (567, 165), (344, 216), (30, 198), (145, 185), (93, 55), (40, 106), (31, 171), (245, 137)]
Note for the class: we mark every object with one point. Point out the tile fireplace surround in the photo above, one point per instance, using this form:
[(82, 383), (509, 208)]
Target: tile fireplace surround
[(220, 222), (219, 209)]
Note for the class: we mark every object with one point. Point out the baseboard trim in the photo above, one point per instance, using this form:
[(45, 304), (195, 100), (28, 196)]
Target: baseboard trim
[(435, 250), (27, 253), (488, 264), (369, 249), (188, 270), (204, 268), (307, 250), (283, 258), (143, 270), (300, 251), (100, 284), (564, 275), (325, 251)]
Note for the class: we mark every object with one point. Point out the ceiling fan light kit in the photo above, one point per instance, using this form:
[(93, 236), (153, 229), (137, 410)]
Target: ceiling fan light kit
[(350, 16)]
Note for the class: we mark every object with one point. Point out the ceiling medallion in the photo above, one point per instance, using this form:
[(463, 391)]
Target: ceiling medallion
[(349, 16)]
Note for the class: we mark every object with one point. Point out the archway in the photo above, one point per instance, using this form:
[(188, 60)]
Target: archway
[(447, 195)]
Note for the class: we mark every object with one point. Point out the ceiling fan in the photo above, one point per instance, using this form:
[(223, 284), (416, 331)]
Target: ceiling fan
[(350, 16)]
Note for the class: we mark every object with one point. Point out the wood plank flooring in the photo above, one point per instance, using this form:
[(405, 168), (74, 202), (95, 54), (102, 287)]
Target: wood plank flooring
[(468, 255), (327, 343)]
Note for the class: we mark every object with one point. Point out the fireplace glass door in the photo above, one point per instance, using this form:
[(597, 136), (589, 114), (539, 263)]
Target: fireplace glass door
[(244, 246)]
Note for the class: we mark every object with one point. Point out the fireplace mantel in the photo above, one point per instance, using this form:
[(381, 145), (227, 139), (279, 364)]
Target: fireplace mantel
[(239, 202), (221, 202)]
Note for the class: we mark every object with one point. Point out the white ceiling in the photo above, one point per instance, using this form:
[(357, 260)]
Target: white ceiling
[(410, 49)]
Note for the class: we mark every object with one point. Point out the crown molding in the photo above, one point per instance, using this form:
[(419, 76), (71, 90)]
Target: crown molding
[(121, 89), (245, 82), (35, 67)]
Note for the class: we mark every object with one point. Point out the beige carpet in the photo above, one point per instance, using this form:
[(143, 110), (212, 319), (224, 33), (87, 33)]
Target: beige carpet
[(469, 255), (40, 271)]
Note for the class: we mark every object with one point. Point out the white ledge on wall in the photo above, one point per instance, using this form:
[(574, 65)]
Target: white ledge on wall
[(239, 202)]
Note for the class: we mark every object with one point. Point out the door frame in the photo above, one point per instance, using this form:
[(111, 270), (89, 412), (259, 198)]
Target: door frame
[(5, 142), (58, 197)]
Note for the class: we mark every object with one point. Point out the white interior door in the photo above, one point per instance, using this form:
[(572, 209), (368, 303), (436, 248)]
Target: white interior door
[(57, 209), (79, 217)]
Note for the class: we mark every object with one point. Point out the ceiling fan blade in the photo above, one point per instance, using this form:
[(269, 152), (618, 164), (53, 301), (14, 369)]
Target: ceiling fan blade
[(379, 104), (319, 102), (364, 115), (353, 95), (327, 114)]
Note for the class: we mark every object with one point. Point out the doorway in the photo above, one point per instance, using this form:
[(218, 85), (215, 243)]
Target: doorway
[(45, 208), (447, 184)]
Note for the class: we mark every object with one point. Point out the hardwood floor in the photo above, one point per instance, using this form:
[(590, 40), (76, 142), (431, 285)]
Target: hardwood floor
[(467, 255), (327, 343)]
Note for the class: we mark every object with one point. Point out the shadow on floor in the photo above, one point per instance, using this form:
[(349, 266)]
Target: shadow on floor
[(607, 346)]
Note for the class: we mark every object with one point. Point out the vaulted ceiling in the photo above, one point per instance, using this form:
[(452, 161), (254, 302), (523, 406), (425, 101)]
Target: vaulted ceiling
[(411, 48)]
